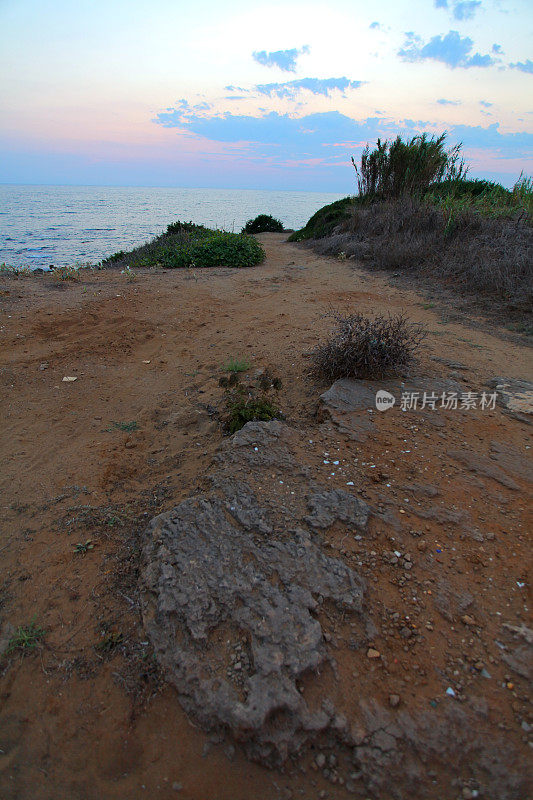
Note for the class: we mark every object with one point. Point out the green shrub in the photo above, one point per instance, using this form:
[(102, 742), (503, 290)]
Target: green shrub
[(245, 407), (264, 223), (187, 245), (360, 347), (324, 221), (188, 228), (118, 256)]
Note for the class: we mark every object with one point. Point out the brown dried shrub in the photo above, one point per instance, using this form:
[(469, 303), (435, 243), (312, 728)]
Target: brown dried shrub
[(361, 347)]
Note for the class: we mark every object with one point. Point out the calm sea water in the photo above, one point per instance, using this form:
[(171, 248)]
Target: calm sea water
[(43, 225)]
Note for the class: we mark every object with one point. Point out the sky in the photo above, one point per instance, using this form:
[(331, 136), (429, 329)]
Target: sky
[(276, 95)]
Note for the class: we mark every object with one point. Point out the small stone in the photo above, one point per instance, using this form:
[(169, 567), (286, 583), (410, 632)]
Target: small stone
[(466, 619), (320, 760), (371, 653), (394, 700)]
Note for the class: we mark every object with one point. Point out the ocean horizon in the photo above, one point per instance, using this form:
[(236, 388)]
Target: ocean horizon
[(60, 225)]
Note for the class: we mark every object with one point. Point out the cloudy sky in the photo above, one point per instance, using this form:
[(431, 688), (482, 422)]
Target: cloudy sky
[(245, 94)]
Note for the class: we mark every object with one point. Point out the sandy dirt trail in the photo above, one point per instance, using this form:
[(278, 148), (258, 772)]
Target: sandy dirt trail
[(85, 714)]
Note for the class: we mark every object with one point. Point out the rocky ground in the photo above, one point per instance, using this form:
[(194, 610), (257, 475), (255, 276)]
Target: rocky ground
[(333, 605)]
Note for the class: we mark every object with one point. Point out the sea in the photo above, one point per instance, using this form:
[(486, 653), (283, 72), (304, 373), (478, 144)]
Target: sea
[(42, 226)]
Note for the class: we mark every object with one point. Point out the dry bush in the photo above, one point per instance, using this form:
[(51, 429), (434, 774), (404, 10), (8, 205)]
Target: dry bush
[(360, 347), (483, 257)]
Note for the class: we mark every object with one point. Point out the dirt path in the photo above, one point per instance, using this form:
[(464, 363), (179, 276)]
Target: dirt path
[(85, 714)]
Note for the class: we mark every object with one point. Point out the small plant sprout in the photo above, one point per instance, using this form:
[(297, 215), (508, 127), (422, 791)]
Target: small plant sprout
[(129, 273), (83, 547), (25, 638)]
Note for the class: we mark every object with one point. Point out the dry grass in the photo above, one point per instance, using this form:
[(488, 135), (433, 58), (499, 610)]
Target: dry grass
[(483, 257)]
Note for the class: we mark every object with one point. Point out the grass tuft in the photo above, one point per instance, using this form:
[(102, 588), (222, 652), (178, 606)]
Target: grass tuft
[(236, 365)]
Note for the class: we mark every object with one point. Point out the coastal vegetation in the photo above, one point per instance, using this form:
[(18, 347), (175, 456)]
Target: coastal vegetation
[(324, 221), (263, 223), (186, 245), (417, 211)]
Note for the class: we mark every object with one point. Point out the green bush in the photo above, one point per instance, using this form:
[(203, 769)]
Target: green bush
[(324, 221), (187, 228), (185, 245), (263, 223)]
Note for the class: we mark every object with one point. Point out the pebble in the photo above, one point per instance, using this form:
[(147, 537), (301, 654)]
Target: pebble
[(320, 760), (371, 653), (394, 700)]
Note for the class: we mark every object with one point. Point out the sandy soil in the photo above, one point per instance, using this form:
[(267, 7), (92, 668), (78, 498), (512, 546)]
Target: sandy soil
[(85, 714)]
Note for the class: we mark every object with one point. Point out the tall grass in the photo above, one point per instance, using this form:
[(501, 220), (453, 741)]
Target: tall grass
[(396, 168)]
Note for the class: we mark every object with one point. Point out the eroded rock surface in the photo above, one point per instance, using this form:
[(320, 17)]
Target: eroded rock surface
[(238, 588), (215, 571)]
